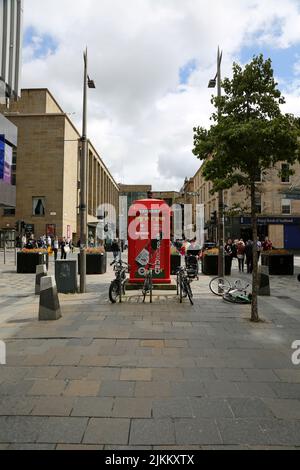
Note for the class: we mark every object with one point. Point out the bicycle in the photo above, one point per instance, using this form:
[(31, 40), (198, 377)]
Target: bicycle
[(118, 285), (184, 285), (148, 283), (220, 285)]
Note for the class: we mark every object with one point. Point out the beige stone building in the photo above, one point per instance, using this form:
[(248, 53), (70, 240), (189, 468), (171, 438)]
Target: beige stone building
[(48, 170), (278, 207)]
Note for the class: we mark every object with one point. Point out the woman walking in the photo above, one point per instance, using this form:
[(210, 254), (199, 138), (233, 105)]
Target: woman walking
[(241, 255)]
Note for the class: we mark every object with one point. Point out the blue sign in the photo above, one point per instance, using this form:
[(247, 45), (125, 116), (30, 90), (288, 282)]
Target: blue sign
[(271, 220), (2, 156)]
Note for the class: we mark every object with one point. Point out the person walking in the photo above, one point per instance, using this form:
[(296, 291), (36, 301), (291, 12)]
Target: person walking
[(229, 251), (64, 248), (267, 245), (259, 249), (115, 248), (240, 246), (249, 256), (55, 247)]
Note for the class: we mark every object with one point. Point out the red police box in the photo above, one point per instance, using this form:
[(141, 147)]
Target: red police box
[(149, 235)]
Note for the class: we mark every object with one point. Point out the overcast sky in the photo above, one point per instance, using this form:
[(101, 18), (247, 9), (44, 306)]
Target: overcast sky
[(151, 61)]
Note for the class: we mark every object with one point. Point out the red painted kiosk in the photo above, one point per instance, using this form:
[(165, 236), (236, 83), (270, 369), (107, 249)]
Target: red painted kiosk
[(149, 240)]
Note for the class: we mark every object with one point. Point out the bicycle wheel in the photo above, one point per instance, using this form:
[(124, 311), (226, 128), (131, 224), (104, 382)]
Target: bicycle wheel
[(242, 285), (151, 290), (219, 286), (190, 293), (114, 292)]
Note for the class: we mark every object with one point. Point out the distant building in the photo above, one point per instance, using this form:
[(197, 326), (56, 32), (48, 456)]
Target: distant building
[(278, 208), (10, 48), (8, 148), (48, 170)]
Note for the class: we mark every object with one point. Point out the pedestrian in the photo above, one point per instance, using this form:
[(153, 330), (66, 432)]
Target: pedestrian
[(249, 256), (267, 245), (65, 249), (49, 241), (241, 255), (259, 248), (55, 247), (229, 251), (115, 248), (24, 241)]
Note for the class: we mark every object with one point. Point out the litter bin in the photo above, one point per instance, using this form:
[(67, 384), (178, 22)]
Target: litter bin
[(66, 276)]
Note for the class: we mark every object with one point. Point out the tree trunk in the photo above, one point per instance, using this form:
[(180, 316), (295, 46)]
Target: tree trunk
[(254, 307)]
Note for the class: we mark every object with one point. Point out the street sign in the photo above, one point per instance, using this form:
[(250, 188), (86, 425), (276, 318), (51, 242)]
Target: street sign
[(293, 196)]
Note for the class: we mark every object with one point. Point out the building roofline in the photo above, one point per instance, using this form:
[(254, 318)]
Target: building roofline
[(47, 91)]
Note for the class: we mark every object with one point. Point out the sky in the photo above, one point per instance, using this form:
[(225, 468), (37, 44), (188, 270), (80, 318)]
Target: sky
[(151, 61)]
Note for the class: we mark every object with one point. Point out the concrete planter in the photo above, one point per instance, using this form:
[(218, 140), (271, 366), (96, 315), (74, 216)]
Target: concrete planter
[(96, 263), (27, 262), (210, 265), (279, 265)]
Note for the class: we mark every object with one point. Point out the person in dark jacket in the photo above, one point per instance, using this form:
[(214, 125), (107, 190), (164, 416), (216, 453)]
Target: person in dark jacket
[(249, 256), (115, 248), (229, 250)]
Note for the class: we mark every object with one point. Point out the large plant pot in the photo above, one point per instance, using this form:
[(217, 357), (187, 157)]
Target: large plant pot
[(279, 265), (175, 263), (210, 265), (27, 262), (95, 263)]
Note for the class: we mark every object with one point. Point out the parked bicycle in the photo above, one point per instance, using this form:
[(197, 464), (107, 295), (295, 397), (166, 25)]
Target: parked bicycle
[(148, 282), (118, 285), (184, 289), (240, 291)]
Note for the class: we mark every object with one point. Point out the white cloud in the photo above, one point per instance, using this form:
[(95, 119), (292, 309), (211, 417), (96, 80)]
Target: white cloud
[(140, 119)]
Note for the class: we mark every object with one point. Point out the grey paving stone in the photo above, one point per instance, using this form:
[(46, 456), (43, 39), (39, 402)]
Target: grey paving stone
[(53, 406), (286, 390), (44, 387), (93, 407), (222, 389), (107, 431), (230, 375), (261, 375), (16, 389), (249, 408), (117, 389), (256, 390), (194, 388), (242, 432), (196, 431), (284, 409), (33, 373), (62, 431), (198, 374), (132, 408), (16, 406), (152, 432), (104, 373), (26, 447), (281, 432), (73, 373), (172, 408), (16, 429), (288, 375), (167, 375), (152, 389), (210, 408)]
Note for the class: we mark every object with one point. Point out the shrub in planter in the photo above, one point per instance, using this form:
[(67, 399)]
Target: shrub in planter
[(28, 260), (96, 261), (210, 263)]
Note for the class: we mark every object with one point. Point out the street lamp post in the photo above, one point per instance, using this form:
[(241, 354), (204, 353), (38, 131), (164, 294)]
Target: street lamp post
[(87, 83), (212, 84)]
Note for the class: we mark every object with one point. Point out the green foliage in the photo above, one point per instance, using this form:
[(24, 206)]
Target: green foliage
[(249, 134)]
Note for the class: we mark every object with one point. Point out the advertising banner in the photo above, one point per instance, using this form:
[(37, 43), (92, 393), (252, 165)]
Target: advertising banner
[(7, 164), (2, 156)]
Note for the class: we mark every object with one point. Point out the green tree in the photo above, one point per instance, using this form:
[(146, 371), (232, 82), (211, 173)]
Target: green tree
[(249, 136)]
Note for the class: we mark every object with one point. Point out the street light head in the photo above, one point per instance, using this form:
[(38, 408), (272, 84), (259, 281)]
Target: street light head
[(91, 83), (212, 83)]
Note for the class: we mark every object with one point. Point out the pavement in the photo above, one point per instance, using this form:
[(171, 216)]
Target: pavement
[(161, 376)]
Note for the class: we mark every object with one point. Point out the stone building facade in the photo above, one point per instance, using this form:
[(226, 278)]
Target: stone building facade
[(48, 170), (278, 208)]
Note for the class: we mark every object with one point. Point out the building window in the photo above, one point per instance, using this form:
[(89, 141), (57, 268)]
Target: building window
[(38, 206), (285, 176), (9, 212), (258, 203), (286, 206)]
